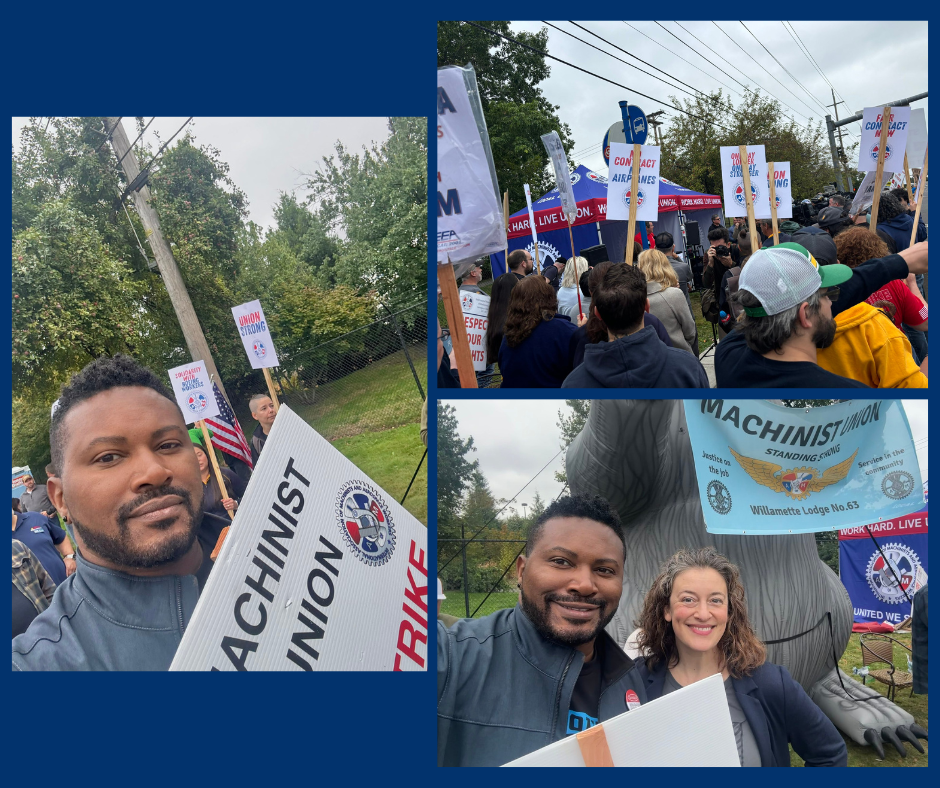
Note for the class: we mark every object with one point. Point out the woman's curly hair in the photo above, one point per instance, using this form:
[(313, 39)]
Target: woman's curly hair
[(858, 244), (533, 300), (741, 649)]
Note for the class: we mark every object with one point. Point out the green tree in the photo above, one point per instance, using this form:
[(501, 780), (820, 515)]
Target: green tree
[(571, 423), (690, 152), (516, 111), (378, 201)]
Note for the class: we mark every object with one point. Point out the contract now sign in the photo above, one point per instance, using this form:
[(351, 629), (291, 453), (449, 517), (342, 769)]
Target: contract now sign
[(321, 570)]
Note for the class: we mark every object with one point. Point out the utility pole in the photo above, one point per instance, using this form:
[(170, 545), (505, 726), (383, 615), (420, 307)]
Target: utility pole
[(654, 123), (172, 278), (843, 157)]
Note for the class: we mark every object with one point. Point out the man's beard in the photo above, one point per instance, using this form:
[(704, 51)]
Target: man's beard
[(120, 551), (539, 616), (825, 333)]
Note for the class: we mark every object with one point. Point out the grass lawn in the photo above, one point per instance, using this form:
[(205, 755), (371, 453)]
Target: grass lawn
[(917, 705), (705, 336), (455, 605), (381, 396), (390, 458)]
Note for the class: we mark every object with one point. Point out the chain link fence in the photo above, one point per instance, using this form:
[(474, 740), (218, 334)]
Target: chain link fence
[(480, 573), (367, 380)]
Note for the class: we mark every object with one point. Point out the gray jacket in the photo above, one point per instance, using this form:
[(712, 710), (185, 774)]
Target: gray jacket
[(504, 691), (37, 500), (102, 619)]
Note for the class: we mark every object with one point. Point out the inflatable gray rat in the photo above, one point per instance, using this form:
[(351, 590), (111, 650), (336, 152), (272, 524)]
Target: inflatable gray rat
[(637, 454)]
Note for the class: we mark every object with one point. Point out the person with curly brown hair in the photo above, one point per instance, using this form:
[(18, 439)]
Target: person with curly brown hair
[(693, 625), (900, 298), (538, 345)]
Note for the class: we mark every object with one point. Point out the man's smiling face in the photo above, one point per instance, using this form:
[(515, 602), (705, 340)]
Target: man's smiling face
[(129, 482), (572, 580)]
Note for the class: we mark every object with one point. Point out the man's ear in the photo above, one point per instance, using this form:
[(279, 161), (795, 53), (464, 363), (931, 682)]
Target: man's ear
[(647, 307), (520, 568), (803, 316), (57, 495)]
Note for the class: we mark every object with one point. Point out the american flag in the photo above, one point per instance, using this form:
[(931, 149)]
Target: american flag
[(227, 435)]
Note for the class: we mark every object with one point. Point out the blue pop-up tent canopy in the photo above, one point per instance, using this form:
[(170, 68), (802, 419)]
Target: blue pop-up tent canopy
[(591, 227)]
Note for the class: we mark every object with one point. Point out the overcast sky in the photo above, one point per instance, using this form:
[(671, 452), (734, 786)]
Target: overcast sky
[(867, 62), (265, 155), (515, 438)]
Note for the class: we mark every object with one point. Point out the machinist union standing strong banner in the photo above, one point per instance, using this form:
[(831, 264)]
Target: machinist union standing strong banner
[(763, 468)]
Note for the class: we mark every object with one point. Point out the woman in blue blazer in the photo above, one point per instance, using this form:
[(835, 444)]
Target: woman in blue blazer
[(693, 625)]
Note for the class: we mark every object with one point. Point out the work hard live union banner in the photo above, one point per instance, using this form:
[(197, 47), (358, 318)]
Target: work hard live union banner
[(763, 468), (879, 582)]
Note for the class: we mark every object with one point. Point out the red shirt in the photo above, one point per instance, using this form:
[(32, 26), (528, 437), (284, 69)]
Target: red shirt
[(648, 235), (908, 308)]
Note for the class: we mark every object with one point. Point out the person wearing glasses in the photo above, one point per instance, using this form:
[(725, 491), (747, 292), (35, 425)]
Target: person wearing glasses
[(787, 301)]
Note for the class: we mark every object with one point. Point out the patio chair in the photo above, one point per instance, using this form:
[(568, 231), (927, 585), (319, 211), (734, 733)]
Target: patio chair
[(879, 649)]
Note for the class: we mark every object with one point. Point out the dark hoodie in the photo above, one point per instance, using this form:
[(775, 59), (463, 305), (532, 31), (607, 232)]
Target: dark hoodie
[(899, 228), (637, 360)]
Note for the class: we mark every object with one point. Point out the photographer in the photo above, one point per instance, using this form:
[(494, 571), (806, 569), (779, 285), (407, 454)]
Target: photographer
[(719, 257)]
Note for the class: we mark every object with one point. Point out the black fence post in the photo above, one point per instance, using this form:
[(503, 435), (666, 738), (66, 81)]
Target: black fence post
[(405, 348)]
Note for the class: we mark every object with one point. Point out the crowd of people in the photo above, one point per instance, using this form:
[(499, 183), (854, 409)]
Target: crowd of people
[(110, 555), (513, 682), (828, 305)]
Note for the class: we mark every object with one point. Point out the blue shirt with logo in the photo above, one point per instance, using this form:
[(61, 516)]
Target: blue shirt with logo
[(41, 535)]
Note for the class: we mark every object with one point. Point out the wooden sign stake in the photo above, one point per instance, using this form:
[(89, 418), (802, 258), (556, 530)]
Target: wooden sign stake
[(214, 461), (880, 168), (748, 197), (458, 325), (634, 185), (921, 188), (594, 747), (271, 390), (773, 203)]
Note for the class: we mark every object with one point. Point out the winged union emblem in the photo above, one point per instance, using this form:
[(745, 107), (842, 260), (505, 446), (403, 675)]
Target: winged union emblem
[(796, 483)]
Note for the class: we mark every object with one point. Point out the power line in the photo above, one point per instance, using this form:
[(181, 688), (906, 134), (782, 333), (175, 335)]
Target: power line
[(439, 568), (591, 73), (163, 146), (137, 138), (674, 54), (800, 84), (610, 43), (722, 70), (771, 76)]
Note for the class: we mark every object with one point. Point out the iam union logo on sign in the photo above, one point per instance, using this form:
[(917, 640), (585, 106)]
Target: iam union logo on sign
[(739, 193), (891, 572), (548, 254), (874, 152), (640, 198), (259, 349), (366, 523), (197, 402)]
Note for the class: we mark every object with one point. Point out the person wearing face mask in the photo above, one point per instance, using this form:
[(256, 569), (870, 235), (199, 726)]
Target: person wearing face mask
[(694, 625)]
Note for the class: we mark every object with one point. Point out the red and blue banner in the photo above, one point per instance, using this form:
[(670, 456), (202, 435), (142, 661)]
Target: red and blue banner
[(879, 582)]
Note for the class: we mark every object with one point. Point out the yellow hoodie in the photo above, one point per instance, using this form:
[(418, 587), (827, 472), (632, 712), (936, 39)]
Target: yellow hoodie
[(869, 348)]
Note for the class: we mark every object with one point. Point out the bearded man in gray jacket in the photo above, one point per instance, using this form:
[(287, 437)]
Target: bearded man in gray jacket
[(129, 485), (519, 679)]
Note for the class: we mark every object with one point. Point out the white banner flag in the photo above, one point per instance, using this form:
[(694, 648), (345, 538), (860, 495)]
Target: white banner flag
[(528, 202), (783, 191), (469, 211), (620, 183), (556, 152), (321, 570), (898, 127), (733, 180), (193, 391), (255, 334)]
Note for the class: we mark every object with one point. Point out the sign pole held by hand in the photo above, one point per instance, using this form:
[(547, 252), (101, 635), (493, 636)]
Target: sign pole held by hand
[(634, 188), (880, 167), (215, 464), (458, 325), (748, 195), (271, 390), (921, 190), (772, 179)]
